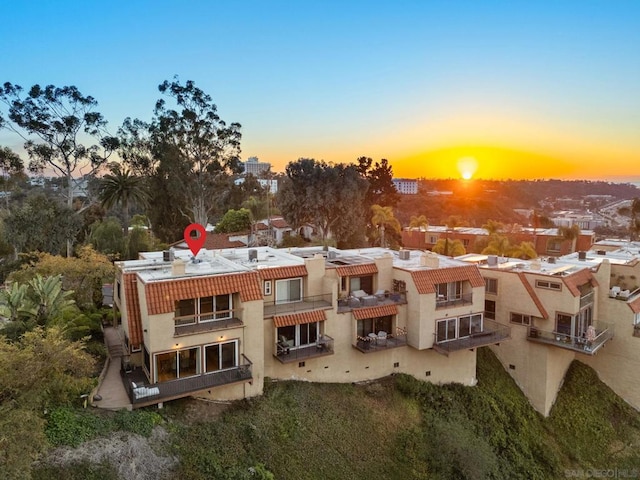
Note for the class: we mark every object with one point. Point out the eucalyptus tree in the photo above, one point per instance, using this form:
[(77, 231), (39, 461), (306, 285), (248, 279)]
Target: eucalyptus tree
[(61, 130), (190, 131)]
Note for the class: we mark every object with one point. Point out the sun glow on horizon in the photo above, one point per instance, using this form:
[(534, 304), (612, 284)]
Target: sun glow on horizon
[(467, 166)]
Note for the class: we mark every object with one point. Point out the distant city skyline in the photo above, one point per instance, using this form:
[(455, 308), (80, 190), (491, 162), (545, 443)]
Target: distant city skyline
[(514, 89)]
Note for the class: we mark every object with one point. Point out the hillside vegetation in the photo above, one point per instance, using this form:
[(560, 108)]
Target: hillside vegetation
[(401, 428)]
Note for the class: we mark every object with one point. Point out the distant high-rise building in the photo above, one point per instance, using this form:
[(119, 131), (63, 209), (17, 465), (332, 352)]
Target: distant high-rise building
[(256, 167)]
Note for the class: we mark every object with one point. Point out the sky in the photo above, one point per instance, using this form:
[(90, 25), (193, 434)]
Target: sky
[(492, 89)]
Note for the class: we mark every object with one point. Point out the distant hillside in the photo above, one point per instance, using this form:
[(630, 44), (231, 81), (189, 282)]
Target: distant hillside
[(479, 200)]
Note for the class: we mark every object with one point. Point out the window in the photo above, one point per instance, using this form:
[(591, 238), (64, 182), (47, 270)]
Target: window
[(433, 239), (446, 329), (469, 324), (118, 293), (361, 283), (192, 310), (374, 325), (549, 285), (267, 288), (177, 364), (449, 291), (299, 335), (636, 319), (289, 290), (520, 319), (554, 245), (491, 285), (563, 323), (465, 242), (220, 356), (490, 309)]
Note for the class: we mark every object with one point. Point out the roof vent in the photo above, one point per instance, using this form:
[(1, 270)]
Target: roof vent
[(404, 254), (331, 254), (551, 260), (582, 255), (253, 255), (601, 252), (492, 260)]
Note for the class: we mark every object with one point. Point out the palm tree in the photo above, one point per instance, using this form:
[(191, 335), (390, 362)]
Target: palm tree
[(450, 248), (419, 222), (493, 227), (121, 187), (570, 234), (382, 219), (525, 251)]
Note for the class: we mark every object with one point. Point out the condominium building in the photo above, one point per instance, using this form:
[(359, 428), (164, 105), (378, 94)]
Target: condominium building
[(584, 306), (217, 325)]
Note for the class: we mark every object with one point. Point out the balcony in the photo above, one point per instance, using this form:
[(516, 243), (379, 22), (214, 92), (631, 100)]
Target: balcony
[(582, 344), (287, 354), (144, 394), (191, 324), (373, 343), (314, 302), (382, 298), (491, 333), (455, 301), (586, 299)]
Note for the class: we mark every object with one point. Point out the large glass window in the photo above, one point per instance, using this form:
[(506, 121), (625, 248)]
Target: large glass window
[(449, 291), (298, 335), (446, 329), (204, 309), (361, 283), (289, 290), (469, 324), (563, 323), (375, 325), (491, 285), (220, 356), (177, 364)]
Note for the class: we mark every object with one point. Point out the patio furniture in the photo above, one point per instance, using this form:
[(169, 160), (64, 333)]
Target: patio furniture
[(382, 338)]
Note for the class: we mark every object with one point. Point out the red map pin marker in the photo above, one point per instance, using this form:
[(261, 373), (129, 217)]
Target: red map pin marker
[(195, 243)]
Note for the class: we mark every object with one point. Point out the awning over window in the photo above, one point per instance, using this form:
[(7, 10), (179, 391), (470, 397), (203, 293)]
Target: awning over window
[(299, 318), (374, 312)]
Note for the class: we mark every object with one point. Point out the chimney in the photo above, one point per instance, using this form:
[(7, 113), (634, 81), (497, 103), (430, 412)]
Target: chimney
[(178, 267), (431, 261)]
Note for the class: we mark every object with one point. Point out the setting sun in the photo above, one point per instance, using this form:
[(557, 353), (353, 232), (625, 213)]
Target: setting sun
[(467, 166)]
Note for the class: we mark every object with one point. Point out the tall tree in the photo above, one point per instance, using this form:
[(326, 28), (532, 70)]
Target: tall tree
[(121, 187), (381, 189), (418, 221), (11, 165), (61, 130), (41, 224), (325, 195), (194, 135)]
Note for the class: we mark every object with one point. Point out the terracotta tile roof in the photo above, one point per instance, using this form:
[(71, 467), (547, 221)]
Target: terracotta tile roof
[(374, 312), (355, 270), (133, 308), (581, 277), (534, 296), (161, 296), (261, 226), (216, 241), (634, 305), (276, 273), (299, 318), (279, 222), (426, 280)]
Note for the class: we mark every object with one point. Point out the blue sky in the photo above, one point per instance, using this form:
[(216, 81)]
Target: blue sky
[(552, 84)]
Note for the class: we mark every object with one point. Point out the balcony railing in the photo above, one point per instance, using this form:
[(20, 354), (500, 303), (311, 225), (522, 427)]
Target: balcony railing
[(583, 344), (190, 324), (288, 354), (314, 302), (386, 298), (374, 343), (455, 301), (491, 333), (148, 394)]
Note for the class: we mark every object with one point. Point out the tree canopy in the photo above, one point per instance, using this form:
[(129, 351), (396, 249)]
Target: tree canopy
[(325, 195)]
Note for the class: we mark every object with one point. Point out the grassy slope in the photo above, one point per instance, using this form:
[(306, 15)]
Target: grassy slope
[(400, 428)]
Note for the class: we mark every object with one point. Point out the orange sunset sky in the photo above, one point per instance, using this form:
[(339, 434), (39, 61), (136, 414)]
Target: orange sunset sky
[(524, 89)]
